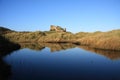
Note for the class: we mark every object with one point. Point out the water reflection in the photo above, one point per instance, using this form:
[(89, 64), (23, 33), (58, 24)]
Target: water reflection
[(33, 46), (53, 46), (113, 55), (71, 64)]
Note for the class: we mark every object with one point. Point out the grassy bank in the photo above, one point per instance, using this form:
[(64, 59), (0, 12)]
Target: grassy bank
[(24, 36), (102, 40), (38, 36), (7, 46)]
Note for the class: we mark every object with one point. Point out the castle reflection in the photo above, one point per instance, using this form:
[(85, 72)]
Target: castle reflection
[(113, 55), (53, 46), (5, 69)]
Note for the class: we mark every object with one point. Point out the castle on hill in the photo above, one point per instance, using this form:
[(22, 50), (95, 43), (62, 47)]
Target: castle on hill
[(57, 28)]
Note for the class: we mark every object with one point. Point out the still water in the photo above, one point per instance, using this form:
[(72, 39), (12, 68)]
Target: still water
[(62, 62)]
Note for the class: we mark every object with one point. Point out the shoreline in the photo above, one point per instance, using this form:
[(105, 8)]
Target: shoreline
[(100, 40)]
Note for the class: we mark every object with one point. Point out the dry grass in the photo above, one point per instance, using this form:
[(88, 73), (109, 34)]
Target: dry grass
[(47, 36), (57, 37), (102, 40), (24, 36)]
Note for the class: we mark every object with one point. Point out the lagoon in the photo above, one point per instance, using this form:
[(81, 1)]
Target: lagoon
[(52, 61)]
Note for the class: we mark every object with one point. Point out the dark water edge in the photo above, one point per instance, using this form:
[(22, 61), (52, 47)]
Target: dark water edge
[(6, 47), (47, 61)]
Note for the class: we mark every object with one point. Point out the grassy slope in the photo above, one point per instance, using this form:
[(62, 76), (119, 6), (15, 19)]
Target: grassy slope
[(52, 36), (38, 36), (4, 30), (24, 36), (103, 40)]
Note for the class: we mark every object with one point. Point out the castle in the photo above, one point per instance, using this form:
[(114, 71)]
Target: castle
[(57, 28)]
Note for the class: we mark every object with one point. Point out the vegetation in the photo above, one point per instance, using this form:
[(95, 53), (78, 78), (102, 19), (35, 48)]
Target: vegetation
[(38, 36), (5, 30), (11, 40), (6, 46), (24, 36), (60, 37), (100, 40)]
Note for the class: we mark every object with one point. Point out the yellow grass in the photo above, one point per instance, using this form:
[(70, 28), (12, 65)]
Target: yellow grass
[(103, 40)]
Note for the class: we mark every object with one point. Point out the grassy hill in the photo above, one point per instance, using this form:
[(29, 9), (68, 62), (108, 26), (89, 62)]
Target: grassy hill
[(100, 40), (4, 30), (103, 40), (38, 36)]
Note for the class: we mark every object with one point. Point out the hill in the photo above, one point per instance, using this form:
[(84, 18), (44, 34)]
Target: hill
[(100, 40), (4, 30)]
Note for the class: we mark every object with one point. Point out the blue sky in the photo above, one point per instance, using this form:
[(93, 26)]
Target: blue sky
[(75, 15)]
